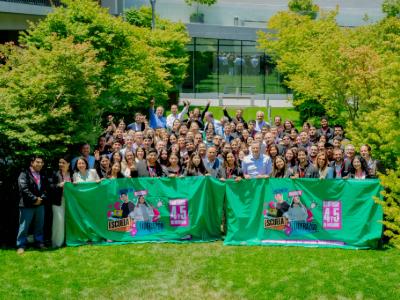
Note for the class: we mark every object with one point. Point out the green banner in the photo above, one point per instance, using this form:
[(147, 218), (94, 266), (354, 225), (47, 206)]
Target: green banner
[(144, 209), (305, 212)]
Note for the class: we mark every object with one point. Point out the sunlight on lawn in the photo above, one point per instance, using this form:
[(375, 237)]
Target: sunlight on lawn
[(199, 271)]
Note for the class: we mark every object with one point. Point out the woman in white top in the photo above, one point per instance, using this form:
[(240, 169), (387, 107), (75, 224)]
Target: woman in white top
[(59, 178), (359, 168), (82, 173)]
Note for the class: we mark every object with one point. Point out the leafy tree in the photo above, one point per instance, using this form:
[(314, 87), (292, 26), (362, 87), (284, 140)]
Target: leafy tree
[(203, 2), (391, 8), (391, 205), (355, 75), (133, 71), (304, 7), (48, 98), (198, 3), (324, 62), (168, 40)]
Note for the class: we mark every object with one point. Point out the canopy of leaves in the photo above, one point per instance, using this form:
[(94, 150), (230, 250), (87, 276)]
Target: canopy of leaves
[(323, 61), (48, 97), (391, 8), (73, 66), (355, 75), (133, 71), (168, 40), (203, 2), (304, 7)]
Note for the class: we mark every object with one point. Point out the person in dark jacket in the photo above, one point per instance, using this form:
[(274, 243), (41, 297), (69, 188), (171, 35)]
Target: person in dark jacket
[(230, 168), (150, 167), (33, 193), (304, 169)]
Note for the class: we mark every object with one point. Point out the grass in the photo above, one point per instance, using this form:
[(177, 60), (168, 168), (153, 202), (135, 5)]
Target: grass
[(249, 113), (199, 271)]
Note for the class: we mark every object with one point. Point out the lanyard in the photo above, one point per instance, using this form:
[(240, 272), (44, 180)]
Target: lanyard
[(339, 173), (152, 171), (229, 172), (302, 172), (36, 177)]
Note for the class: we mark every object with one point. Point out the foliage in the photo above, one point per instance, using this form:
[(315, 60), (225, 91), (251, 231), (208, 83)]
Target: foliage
[(168, 41), (48, 97), (304, 7), (391, 205), (355, 75), (391, 8), (133, 71), (310, 109), (324, 62), (203, 2)]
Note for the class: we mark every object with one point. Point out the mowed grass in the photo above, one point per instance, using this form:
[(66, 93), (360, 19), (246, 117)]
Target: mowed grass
[(249, 113), (199, 271)]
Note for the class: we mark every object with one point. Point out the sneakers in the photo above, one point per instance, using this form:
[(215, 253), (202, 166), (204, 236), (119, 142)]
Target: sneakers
[(20, 251)]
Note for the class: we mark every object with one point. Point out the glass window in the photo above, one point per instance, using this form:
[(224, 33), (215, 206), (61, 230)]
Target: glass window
[(230, 67)]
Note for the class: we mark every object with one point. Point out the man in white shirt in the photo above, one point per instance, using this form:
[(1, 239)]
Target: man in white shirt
[(260, 121), (175, 115), (256, 165)]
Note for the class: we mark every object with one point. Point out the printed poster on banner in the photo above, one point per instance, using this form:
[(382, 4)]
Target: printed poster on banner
[(289, 215), (140, 214)]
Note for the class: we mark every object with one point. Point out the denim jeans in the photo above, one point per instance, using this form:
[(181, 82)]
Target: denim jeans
[(26, 216)]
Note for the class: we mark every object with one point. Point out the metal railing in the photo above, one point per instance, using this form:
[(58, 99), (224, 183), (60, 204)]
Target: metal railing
[(36, 2)]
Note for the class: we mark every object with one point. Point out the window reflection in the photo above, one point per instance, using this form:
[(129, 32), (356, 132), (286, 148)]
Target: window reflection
[(230, 67)]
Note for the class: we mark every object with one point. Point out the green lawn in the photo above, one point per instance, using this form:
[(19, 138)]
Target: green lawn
[(250, 113), (199, 271)]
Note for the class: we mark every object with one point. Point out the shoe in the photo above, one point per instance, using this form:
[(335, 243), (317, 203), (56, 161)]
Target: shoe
[(20, 251), (42, 247)]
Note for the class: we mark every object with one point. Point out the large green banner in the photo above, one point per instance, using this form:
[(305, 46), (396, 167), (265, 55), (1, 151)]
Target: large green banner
[(145, 209), (306, 212)]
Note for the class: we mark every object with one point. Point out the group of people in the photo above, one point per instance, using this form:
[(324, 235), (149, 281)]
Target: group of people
[(192, 143)]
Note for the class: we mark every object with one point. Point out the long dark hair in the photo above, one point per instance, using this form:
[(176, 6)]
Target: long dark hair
[(276, 173), (191, 167), (364, 165), (225, 155)]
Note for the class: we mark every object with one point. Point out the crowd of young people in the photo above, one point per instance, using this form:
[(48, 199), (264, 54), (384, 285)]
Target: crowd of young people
[(194, 143)]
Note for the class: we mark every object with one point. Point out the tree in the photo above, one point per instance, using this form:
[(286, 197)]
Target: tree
[(133, 71), (391, 205), (48, 98), (168, 40), (203, 2), (391, 8), (304, 7), (324, 62), (355, 74), (198, 15)]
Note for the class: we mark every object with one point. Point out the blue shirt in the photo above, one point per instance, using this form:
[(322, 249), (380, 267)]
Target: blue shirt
[(254, 167), (156, 121)]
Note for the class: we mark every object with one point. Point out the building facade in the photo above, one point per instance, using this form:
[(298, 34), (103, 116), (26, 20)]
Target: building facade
[(224, 58)]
